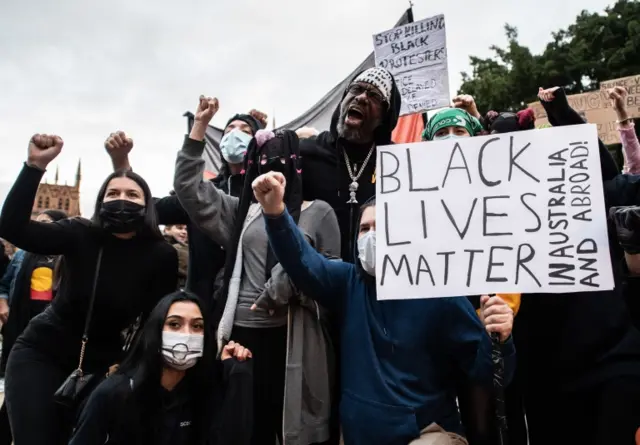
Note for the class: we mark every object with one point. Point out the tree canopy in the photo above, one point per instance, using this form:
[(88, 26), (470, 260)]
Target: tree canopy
[(595, 48)]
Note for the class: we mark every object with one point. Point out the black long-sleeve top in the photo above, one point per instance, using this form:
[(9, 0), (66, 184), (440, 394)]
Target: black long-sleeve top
[(107, 418), (586, 337), (135, 274)]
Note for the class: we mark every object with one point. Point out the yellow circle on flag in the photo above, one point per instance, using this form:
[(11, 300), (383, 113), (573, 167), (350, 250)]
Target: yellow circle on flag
[(42, 279)]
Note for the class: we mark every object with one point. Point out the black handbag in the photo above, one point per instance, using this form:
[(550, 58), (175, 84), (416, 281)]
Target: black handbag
[(78, 385)]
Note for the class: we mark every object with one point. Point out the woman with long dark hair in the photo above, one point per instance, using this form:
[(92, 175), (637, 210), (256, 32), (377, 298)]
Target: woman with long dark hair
[(120, 254), (170, 389), (293, 404)]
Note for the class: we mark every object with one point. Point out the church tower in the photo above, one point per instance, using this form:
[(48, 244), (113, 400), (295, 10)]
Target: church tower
[(59, 197)]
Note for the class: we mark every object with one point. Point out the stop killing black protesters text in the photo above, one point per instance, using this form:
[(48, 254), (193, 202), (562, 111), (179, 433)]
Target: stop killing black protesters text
[(520, 212), (416, 54)]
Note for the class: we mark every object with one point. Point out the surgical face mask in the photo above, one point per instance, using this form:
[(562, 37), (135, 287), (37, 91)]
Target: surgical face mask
[(181, 351), (234, 146), (448, 136), (367, 252)]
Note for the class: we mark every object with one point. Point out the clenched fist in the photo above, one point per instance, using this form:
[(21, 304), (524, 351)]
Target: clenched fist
[(467, 103), (43, 148), (497, 316), (618, 96), (207, 108), (259, 116), (269, 191), (235, 350), (118, 145)]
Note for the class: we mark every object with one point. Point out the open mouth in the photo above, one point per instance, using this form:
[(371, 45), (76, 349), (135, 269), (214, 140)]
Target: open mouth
[(354, 116)]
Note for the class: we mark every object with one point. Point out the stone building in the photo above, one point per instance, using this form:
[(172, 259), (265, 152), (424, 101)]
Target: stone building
[(60, 197)]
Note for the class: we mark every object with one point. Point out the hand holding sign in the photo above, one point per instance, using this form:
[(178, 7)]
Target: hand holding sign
[(497, 316), (269, 191)]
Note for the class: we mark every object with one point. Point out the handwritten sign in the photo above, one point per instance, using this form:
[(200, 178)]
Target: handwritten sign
[(597, 109), (416, 55), (517, 212)]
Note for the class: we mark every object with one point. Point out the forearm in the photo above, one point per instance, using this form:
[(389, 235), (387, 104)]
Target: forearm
[(237, 405), (120, 163), (212, 211), (631, 147), (560, 112)]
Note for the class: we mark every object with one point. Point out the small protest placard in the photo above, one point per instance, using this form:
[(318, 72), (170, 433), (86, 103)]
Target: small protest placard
[(416, 55), (517, 212)]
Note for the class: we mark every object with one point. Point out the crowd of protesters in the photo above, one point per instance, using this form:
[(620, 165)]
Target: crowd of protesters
[(253, 318)]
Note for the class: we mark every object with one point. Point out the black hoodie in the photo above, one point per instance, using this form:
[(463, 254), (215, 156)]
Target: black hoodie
[(325, 175)]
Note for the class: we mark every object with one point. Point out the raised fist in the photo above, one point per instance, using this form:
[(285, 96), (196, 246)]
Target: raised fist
[(43, 148), (259, 116), (118, 145), (235, 350), (547, 95), (618, 96), (269, 191), (467, 103), (207, 108)]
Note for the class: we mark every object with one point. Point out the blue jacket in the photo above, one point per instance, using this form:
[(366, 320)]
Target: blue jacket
[(399, 358), (8, 280)]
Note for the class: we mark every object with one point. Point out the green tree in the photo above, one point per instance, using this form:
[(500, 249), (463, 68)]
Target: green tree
[(596, 47)]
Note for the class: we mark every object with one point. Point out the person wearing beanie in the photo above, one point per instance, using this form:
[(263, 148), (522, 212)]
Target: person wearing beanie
[(205, 257), (339, 164)]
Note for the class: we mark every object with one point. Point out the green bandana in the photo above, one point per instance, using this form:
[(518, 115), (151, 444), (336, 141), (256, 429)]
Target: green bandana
[(451, 117)]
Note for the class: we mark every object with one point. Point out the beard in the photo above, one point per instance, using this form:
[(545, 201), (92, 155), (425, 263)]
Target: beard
[(351, 134)]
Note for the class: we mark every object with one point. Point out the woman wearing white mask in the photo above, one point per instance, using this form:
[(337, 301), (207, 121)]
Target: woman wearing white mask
[(170, 389)]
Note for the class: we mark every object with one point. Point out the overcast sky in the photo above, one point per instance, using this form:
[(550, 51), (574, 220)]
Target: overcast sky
[(84, 69)]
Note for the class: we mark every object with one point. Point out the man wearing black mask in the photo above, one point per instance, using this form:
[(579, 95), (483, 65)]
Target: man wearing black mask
[(339, 165), (206, 258)]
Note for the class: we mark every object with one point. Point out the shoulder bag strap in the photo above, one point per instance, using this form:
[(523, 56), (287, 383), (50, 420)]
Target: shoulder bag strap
[(87, 323)]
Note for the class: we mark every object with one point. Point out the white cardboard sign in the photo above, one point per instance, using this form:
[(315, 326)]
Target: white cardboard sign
[(416, 55), (517, 212)]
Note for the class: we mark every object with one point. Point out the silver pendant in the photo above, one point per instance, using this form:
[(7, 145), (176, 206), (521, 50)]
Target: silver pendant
[(353, 188)]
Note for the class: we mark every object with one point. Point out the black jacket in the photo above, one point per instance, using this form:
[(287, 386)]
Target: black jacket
[(325, 175), (111, 417), (206, 258), (570, 341)]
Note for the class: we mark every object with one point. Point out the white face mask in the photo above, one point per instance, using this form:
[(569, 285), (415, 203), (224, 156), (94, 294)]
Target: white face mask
[(448, 136), (181, 351), (234, 146), (367, 252)]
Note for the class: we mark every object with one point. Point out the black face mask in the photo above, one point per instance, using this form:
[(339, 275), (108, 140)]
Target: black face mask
[(122, 216)]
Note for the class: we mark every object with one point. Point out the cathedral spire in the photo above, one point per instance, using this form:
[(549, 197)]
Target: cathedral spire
[(79, 173), (57, 174)]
